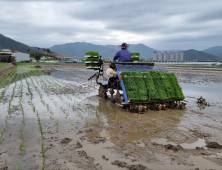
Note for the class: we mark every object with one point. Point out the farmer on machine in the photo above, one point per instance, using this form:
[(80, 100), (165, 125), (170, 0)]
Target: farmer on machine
[(123, 54)]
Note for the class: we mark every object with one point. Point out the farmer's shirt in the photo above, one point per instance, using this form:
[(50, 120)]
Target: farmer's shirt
[(122, 55)]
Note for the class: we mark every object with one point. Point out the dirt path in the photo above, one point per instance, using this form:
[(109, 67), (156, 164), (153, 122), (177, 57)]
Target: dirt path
[(6, 69)]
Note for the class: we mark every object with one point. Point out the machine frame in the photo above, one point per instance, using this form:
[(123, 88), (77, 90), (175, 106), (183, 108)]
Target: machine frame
[(116, 83)]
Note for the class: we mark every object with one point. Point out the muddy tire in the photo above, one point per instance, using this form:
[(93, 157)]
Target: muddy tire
[(102, 92), (113, 100)]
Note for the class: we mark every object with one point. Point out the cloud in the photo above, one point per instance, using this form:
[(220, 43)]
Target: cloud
[(158, 24)]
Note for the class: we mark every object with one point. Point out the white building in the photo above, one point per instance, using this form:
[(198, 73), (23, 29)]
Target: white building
[(165, 56), (43, 58), (21, 56), (181, 55), (160, 56), (155, 56), (78, 58), (177, 58), (5, 51), (172, 56)]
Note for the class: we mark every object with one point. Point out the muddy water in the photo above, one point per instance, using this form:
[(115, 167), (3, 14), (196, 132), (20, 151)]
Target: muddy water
[(98, 132), (190, 128)]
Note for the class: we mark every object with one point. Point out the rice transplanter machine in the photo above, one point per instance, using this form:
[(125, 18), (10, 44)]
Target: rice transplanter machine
[(113, 86)]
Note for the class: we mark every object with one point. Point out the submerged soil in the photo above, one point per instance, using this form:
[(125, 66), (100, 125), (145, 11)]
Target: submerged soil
[(87, 132)]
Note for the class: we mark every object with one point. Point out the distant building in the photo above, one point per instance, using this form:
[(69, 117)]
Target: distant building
[(168, 56), (5, 51), (78, 58), (21, 56), (43, 58), (165, 56), (160, 56), (177, 56), (155, 56), (181, 56), (172, 56)]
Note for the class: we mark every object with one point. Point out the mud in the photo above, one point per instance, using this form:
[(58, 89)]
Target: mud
[(129, 167), (99, 134), (213, 145)]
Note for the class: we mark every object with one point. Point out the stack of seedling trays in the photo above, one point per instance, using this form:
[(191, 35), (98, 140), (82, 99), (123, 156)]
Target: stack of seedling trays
[(151, 86), (92, 60), (135, 56)]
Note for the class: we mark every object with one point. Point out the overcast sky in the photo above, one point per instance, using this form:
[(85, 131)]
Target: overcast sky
[(159, 24)]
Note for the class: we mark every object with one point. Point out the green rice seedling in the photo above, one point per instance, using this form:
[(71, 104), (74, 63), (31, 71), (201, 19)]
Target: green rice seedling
[(118, 136), (51, 112), (43, 167), (135, 59), (33, 108), (76, 126), (135, 54), (22, 152), (57, 124), (51, 117), (22, 144), (92, 59), (22, 135), (18, 167)]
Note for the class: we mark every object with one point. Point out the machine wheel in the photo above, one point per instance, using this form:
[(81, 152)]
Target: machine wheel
[(159, 107), (102, 92), (172, 105)]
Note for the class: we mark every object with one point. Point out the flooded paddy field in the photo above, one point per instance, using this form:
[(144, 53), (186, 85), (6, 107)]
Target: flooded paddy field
[(52, 118)]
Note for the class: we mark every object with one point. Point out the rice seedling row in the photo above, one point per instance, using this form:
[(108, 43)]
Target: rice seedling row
[(54, 80), (118, 119), (54, 102), (22, 145), (9, 112), (47, 85), (4, 78), (39, 123), (4, 91), (41, 97)]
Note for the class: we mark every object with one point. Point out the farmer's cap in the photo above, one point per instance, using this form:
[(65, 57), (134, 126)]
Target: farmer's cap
[(124, 45)]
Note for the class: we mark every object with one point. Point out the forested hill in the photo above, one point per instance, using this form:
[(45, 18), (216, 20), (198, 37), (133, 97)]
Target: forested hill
[(194, 55), (80, 48), (217, 51), (8, 43)]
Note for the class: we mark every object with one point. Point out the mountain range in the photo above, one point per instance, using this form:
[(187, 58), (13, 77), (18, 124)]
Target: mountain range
[(78, 49), (194, 55), (217, 51), (8, 43)]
